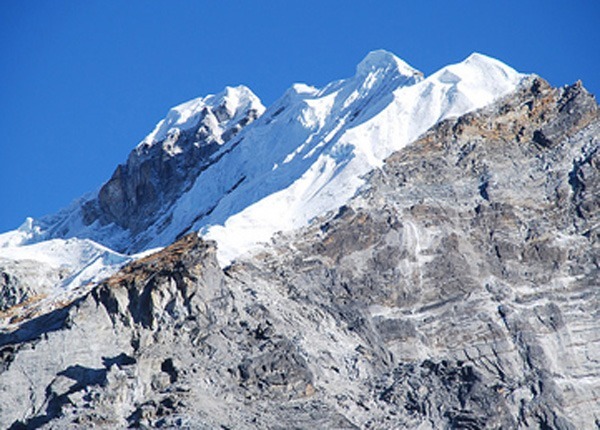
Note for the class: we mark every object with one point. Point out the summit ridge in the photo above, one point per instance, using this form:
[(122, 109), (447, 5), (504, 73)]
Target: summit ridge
[(237, 172)]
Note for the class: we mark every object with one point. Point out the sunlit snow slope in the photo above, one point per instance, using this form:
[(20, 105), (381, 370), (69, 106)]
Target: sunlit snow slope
[(307, 153), (258, 173)]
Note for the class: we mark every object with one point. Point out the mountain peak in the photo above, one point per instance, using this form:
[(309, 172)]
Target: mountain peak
[(230, 106), (383, 60), (485, 65), (239, 98), (477, 57), (474, 73), (485, 62)]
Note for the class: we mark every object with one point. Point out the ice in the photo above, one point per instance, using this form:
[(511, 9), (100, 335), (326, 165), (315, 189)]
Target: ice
[(305, 155), (333, 137), (235, 100)]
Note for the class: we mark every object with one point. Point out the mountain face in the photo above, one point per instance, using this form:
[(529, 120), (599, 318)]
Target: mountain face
[(210, 165), (436, 266), (158, 171), (239, 173)]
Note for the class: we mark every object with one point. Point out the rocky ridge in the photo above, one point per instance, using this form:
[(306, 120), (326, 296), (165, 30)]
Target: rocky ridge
[(224, 166), (458, 289), (159, 170)]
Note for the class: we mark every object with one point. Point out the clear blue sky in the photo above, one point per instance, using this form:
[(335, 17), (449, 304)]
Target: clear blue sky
[(82, 82)]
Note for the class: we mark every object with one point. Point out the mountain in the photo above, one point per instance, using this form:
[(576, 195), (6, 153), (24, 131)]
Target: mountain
[(65, 253), (224, 165), (389, 251), (305, 154)]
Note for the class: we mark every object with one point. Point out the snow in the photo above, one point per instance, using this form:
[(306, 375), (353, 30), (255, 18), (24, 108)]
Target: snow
[(234, 100), (26, 232), (70, 253), (81, 261), (323, 141), (378, 60), (304, 156)]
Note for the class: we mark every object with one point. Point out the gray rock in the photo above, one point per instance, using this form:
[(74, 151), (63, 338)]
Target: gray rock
[(458, 289), (25, 280)]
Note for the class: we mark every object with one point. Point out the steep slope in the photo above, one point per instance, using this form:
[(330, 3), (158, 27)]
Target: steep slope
[(158, 171), (205, 162), (219, 165), (458, 289)]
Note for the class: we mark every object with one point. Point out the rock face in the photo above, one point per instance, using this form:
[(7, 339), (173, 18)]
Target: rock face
[(458, 289), (17, 278), (163, 166), (155, 175)]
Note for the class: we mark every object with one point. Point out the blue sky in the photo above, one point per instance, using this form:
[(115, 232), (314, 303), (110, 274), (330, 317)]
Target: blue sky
[(82, 82)]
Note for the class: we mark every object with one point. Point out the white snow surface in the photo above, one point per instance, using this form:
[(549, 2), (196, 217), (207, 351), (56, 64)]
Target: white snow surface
[(304, 156), (235, 101), (309, 151)]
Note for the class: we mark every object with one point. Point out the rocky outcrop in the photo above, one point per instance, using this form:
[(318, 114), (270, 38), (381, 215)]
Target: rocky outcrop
[(162, 168), (166, 333), (23, 280), (156, 175), (458, 289)]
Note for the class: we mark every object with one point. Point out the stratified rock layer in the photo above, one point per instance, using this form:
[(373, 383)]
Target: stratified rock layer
[(459, 289)]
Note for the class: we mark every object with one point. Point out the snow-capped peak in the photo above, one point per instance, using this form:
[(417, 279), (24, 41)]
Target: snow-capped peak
[(473, 83), (486, 61), (384, 61), (219, 165), (237, 101), (474, 69), (218, 111)]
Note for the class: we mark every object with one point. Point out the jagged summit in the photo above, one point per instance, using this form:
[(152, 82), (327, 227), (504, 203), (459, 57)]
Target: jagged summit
[(238, 173), (216, 113)]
